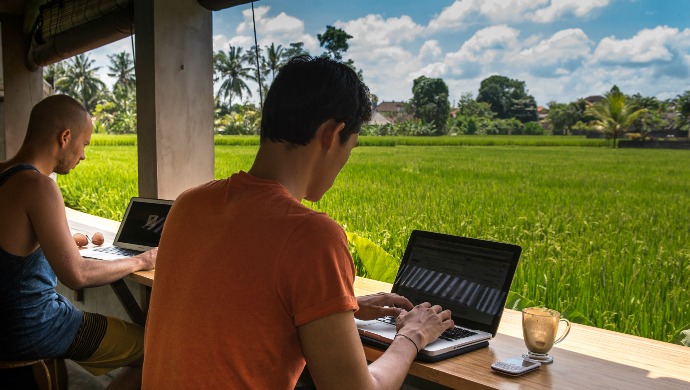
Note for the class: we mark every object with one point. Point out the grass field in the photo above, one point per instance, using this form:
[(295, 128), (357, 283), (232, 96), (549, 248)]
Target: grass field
[(605, 233), (461, 140)]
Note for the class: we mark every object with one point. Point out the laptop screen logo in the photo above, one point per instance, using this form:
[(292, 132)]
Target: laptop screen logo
[(154, 223)]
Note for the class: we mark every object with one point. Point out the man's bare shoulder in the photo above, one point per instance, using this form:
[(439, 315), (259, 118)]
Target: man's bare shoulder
[(32, 185)]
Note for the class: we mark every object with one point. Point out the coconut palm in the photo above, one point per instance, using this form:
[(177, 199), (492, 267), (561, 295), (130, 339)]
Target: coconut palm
[(231, 69), (53, 72), (274, 58), (614, 114), (122, 68), (81, 82), (259, 63)]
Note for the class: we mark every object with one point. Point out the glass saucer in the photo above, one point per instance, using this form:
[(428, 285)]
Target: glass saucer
[(543, 358)]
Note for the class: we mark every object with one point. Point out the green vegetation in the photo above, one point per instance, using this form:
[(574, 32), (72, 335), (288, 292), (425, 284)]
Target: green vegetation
[(605, 232), (430, 102), (460, 140), (614, 114)]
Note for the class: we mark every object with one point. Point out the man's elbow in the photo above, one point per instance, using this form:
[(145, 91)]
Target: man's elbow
[(75, 281)]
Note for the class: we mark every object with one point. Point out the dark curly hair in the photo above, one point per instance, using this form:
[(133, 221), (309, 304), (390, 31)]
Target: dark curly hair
[(309, 91)]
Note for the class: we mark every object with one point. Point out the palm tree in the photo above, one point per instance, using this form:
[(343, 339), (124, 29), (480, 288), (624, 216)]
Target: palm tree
[(614, 114), (230, 68), (255, 57), (53, 72), (122, 68), (274, 58), (81, 82)]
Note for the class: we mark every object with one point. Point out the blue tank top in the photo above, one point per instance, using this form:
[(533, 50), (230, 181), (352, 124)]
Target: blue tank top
[(37, 322)]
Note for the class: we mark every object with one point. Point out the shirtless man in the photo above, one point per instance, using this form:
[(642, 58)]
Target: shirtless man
[(37, 249), (251, 283)]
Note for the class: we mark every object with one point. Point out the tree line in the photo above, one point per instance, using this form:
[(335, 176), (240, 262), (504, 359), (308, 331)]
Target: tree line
[(502, 106), (114, 109)]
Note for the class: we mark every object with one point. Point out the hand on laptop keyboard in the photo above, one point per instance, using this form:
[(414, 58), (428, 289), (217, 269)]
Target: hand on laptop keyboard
[(379, 305), (424, 324), (117, 251), (454, 333)]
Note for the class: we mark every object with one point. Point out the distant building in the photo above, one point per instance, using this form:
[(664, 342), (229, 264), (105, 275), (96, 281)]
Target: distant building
[(393, 111), (378, 119), (594, 99)]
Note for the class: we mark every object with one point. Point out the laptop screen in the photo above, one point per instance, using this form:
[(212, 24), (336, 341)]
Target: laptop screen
[(143, 222), (469, 277)]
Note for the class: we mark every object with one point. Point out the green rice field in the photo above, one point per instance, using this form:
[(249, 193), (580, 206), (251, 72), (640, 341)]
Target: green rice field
[(605, 232)]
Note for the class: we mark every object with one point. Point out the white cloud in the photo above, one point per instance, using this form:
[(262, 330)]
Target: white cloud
[(374, 30), (379, 46), (499, 37), (558, 8), (660, 44), (483, 50), (430, 49), (453, 17), (281, 29), (510, 10), (557, 55), (464, 13)]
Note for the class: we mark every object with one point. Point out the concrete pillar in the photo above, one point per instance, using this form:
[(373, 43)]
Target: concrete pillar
[(23, 88), (174, 53)]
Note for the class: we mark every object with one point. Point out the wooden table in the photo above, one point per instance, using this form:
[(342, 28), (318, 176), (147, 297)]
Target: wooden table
[(589, 358), (89, 224)]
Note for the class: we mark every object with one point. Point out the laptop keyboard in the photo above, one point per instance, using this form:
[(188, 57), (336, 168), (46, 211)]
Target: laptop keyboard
[(117, 251), (455, 333)]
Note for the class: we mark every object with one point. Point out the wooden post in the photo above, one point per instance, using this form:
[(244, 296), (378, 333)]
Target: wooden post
[(23, 88), (174, 54)]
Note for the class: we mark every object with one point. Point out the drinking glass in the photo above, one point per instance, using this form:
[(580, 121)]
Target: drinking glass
[(539, 328)]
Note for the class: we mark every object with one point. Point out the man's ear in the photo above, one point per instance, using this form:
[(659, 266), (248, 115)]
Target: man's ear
[(64, 137), (330, 133)]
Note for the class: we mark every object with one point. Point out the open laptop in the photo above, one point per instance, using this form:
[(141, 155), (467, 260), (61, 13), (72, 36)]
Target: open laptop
[(471, 277), (140, 230)]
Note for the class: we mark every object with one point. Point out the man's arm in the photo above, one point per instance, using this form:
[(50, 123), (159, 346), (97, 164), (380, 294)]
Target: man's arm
[(46, 211), (335, 356)]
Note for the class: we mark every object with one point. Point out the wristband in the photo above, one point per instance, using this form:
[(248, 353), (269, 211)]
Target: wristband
[(413, 343)]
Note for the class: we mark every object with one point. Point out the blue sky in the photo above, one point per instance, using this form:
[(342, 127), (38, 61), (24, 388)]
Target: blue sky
[(562, 49)]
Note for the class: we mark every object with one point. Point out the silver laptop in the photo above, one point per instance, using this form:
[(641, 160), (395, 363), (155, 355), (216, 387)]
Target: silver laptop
[(470, 277), (139, 231)]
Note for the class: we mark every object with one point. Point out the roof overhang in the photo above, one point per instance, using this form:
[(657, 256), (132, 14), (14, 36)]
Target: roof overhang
[(60, 29)]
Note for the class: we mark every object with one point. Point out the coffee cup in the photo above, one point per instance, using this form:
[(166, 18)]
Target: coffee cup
[(540, 328)]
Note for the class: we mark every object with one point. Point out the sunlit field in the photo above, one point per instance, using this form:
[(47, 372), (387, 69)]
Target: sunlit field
[(605, 232)]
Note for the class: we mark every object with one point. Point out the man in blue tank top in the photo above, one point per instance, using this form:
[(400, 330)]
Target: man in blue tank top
[(37, 249)]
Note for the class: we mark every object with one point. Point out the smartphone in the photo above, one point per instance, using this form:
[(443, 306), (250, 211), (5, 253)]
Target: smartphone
[(515, 366)]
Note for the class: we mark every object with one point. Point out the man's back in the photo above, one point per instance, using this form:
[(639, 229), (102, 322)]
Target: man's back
[(37, 322), (19, 188), (226, 311)]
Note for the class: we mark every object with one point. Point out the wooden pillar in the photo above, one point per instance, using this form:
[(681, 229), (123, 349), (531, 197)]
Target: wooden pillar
[(23, 88), (174, 52)]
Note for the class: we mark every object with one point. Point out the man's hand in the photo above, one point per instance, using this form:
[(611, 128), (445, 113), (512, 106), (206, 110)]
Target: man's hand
[(381, 305), (424, 323), (148, 259)]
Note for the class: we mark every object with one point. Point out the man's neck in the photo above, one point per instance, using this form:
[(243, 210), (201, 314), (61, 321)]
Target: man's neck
[(291, 167)]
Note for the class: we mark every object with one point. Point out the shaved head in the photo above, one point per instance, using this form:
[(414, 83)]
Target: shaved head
[(54, 114)]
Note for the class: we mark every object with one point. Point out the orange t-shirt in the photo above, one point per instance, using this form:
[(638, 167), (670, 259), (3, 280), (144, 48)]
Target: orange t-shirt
[(241, 265)]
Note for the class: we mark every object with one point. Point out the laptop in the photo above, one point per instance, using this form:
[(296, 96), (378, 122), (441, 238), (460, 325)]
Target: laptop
[(140, 230), (468, 276)]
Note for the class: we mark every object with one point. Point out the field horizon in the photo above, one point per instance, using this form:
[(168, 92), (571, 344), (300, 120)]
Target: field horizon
[(605, 232)]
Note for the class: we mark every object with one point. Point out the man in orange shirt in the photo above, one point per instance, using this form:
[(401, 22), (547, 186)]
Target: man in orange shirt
[(250, 283)]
